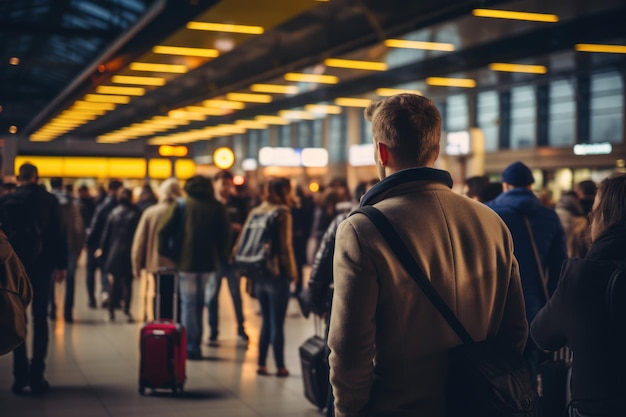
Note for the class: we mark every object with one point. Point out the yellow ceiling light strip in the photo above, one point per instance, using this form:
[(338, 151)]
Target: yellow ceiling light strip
[(209, 111), (225, 27), (251, 124), (354, 64), (274, 88), (387, 92), (249, 98), (608, 49), (105, 98), (184, 51), (311, 78), (513, 15), (224, 104), (82, 111), (126, 91), (451, 82), (427, 46), (296, 115), (130, 79), (352, 102), (146, 66), (322, 109), (531, 69), (271, 120), (186, 115), (92, 106)]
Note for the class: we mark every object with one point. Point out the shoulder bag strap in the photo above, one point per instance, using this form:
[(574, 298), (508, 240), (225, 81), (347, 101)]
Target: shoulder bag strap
[(409, 263), (542, 277)]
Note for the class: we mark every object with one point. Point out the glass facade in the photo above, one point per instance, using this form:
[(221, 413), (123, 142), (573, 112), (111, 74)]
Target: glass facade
[(607, 107), (337, 138), (562, 114), (523, 117), (457, 113), (488, 118)]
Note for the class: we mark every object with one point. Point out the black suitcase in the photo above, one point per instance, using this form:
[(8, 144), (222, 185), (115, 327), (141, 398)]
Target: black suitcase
[(553, 384), (314, 362)]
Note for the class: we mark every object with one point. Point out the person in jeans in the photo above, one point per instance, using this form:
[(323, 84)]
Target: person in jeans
[(205, 242), (237, 210), (589, 319), (273, 292)]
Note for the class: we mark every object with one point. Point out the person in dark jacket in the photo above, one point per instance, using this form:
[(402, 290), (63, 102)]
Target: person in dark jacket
[(588, 314), (93, 243), (87, 206), (147, 198), (516, 204), (205, 243), (41, 246), (115, 247)]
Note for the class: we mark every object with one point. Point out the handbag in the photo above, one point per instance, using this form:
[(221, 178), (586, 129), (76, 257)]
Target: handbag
[(485, 378)]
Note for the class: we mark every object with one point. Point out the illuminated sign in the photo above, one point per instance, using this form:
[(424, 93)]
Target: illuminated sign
[(361, 155), (168, 150), (458, 143), (603, 148), (224, 158), (290, 157), (249, 164)]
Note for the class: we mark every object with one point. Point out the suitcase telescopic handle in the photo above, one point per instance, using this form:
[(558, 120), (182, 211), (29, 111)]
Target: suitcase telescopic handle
[(174, 273)]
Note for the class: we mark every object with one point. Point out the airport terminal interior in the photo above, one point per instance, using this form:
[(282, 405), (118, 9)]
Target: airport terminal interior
[(144, 90)]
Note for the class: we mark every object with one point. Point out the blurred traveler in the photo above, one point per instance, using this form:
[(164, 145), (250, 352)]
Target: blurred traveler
[(205, 242), (87, 206), (74, 230), (490, 192), (575, 224), (517, 206), (93, 243), (586, 191), (237, 210), (587, 310), (273, 292), (8, 188), (146, 198), (31, 219), (302, 214), (145, 249), (389, 344), (475, 186), (115, 247)]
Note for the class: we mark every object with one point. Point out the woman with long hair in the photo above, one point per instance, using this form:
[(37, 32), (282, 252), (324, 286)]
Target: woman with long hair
[(587, 311), (273, 291)]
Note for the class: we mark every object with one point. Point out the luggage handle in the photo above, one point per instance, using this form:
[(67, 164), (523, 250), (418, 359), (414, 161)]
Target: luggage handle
[(167, 271)]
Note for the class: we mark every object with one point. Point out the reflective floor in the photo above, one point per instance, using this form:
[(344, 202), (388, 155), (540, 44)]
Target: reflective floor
[(93, 368)]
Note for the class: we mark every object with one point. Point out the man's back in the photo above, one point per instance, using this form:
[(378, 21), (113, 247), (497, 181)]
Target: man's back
[(549, 237), (380, 313)]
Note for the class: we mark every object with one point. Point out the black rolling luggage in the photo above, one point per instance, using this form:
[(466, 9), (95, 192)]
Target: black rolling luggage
[(314, 362)]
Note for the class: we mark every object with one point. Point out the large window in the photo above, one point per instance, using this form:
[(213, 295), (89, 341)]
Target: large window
[(488, 111), (337, 138), (457, 113), (317, 133), (366, 131), (254, 139), (523, 119), (562, 114), (284, 135), (607, 107), (305, 134)]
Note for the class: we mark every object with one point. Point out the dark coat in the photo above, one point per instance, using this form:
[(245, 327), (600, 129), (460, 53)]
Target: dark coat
[(117, 240), (549, 238), (45, 208), (577, 316), (206, 236), (99, 221)]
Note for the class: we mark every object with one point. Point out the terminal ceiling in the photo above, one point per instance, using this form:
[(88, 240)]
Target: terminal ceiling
[(57, 54)]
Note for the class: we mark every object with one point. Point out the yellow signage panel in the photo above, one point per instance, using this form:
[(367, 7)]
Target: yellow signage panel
[(184, 168)]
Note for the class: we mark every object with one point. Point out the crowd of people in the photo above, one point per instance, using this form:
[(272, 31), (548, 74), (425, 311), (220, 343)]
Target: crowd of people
[(505, 263)]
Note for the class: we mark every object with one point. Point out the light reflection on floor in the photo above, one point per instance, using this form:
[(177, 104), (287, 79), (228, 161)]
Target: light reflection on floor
[(93, 368)]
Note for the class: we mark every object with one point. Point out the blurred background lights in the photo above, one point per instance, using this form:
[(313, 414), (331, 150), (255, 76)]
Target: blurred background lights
[(224, 157), (314, 187)]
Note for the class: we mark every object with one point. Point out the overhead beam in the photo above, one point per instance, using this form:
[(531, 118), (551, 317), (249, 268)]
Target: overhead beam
[(56, 30)]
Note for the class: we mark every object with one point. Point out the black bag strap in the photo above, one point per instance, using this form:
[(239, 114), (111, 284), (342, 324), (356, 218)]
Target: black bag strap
[(542, 277), (409, 263)]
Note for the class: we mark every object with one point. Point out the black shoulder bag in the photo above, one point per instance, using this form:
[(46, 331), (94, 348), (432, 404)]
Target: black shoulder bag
[(484, 378)]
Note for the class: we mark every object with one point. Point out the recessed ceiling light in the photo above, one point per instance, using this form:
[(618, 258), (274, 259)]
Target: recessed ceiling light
[(14, 60), (128, 91), (222, 27), (12, 129), (249, 98), (451, 82), (178, 50), (352, 102), (531, 69), (150, 67), (609, 49), (513, 15), (386, 92), (428, 46), (274, 88), (354, 64), (311, 78), (129, 79), (107, 98)]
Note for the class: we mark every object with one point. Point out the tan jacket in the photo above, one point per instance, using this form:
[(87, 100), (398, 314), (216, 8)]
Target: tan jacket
[(144, 252), (388, 342)]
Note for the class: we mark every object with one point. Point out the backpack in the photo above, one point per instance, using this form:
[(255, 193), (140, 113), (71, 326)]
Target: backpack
[(19, 222), (255, 255)]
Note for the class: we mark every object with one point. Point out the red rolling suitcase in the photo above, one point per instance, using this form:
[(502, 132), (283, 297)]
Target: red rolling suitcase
[(163, 348)]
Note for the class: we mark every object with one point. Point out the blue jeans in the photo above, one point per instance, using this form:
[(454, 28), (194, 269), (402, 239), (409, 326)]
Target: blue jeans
[(192, 288), (273, 295), (213, 290)]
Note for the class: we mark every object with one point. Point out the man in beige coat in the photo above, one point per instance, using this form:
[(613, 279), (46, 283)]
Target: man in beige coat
[(388, 342), (145, 254)]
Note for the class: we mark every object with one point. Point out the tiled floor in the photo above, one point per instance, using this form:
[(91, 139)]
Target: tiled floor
[(93, 370)]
